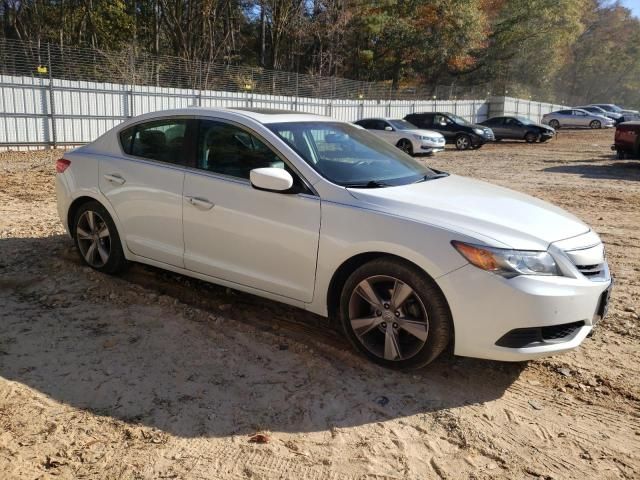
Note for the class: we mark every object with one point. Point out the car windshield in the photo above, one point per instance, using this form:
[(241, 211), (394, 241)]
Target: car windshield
[(525, 121), (350, 156), (402, 125), (458, 120)]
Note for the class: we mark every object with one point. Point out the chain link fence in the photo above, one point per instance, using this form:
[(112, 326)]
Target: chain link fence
[(133, 67)]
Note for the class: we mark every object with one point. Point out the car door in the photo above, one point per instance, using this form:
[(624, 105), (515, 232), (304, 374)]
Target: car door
[(144, 187), (513, 128), (232, 231), (386, 131), (445, 126), (497, 126), (580, 119)]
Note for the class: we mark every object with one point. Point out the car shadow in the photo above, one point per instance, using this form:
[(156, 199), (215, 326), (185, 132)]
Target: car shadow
[(196, 360), (621, 170)]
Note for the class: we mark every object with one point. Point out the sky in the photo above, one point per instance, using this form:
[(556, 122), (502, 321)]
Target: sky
[(634, 5)]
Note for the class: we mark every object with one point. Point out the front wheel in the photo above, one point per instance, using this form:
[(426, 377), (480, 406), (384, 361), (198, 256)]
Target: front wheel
[(555, 124), (394, 314), (97, 239), (405, 146), (531, 137), (463, 142), (595, 124)]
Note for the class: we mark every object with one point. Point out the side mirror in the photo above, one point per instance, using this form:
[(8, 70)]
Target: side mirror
[(388, 128), (271, 179)]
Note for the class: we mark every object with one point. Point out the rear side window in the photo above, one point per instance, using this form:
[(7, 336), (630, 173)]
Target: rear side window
[(126, 139), (422, 121), (162, 140)]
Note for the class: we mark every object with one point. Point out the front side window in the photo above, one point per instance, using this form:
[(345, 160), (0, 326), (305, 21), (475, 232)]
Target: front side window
[(229, 150), (162, 140), (349, 156)]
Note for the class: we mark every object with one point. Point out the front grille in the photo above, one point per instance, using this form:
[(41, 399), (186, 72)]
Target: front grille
[(536, 336), (591, 270)]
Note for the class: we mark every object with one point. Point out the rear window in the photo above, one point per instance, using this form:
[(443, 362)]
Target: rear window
[(126, 138)]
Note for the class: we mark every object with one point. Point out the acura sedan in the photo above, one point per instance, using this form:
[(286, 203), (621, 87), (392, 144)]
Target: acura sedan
[(519, 128), (576, 117), (323, 215), (404, 135)]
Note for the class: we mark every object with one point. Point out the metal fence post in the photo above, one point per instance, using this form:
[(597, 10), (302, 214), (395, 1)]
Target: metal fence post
[(52, 103)]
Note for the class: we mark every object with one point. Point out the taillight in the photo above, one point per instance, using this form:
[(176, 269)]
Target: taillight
[(62, 164)]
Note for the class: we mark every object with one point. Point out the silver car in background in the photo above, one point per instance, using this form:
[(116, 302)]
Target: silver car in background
[(576, 117), (404, 135)]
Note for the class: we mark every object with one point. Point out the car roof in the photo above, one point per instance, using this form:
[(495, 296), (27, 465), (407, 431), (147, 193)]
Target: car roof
[(261, 115)]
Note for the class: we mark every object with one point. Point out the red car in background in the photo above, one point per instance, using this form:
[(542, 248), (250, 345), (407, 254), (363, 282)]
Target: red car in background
[(627, 139)]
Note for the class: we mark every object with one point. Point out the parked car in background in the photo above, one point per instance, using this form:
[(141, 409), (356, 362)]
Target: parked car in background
[(626, 115), (322, 215), (455, 129), (518, 128), (627, 139), (404, 135), (615, 116), (574, 117)]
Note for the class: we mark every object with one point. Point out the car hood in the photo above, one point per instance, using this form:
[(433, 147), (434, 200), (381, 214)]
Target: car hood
[(495, 215), (429, 133)]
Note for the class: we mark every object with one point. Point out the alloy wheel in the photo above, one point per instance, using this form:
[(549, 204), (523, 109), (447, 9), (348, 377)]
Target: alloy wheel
[(555, 124), (94, 239), (595, 124), (388, 318), (405, 146), (462, 142)]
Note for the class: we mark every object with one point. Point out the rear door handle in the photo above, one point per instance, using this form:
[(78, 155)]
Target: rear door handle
[(114, 178), (201, 203)]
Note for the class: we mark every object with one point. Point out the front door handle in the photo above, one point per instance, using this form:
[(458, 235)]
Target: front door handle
[(114, 178), (201, 203)]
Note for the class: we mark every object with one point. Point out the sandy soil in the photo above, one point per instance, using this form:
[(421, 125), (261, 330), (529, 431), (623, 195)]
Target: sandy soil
[(154, 375)]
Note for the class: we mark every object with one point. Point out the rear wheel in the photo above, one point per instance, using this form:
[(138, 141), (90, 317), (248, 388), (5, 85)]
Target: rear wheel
[(97, 239), (531, 137), (395, 314), (463, 142), (406, 146), (595, 124), (555, 124)]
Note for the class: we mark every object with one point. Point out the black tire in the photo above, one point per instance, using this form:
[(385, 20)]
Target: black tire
[(406, 146), (595, 124), (463, 142), (531, 137), (555, 124), (425, 297), (620, 154), (115, 261)]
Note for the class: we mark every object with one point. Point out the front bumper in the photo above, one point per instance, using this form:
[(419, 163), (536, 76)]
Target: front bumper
[(485, 307)]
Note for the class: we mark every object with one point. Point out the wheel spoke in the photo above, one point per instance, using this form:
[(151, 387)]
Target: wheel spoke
[(90, 253), (104, 255), (391, 348), (366, 291), (401, 291), (417, 329), (364, 325), (91, 220), (83, 234), (103, 231)]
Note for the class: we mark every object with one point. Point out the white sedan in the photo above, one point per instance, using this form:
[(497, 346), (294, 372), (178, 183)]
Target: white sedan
[(404, 135), (319, 214)]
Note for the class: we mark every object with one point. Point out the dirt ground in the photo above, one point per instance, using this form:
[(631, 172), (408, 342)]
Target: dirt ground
[(154, 375)]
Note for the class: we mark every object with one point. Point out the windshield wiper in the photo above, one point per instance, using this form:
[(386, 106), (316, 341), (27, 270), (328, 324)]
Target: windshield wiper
[(369, 184), (432, 177)]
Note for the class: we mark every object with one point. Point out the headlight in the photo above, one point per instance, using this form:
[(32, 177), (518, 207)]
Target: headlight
[(508, 263), (478, 131), (424, 137)]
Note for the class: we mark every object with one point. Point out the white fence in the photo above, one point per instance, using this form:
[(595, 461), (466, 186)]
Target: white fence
[(36, 112)]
